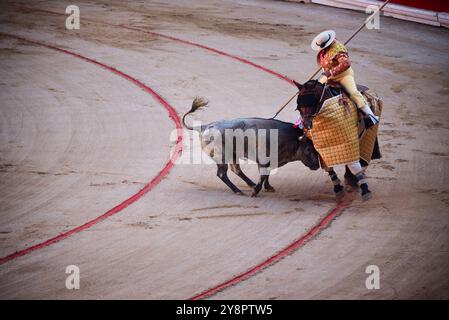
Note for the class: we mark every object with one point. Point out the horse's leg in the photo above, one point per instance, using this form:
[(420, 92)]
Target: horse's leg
[(350, 179), (339, 190), (222, 174), (357, 170), (235, 167)]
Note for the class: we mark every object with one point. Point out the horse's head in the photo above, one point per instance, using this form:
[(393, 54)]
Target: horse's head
[(308, 101)]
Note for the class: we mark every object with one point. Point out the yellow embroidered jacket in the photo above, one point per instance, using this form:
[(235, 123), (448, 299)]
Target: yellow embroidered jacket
[(334, 58)]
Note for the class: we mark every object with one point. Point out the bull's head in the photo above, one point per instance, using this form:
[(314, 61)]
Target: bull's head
[(308, 154)]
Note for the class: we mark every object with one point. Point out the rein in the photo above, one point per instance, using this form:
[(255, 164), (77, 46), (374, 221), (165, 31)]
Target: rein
[(322, 93), (318, 109), (305, 130)]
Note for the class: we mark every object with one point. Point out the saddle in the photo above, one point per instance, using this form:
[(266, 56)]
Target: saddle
[(336, 88)]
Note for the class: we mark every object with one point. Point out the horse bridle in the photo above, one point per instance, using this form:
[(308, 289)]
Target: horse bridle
[(326, 87)]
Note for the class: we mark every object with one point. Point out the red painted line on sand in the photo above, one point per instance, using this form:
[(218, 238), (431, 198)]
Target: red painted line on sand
[(289, 249), (164, 36), (222, 53), (295, 245), (165, 170)]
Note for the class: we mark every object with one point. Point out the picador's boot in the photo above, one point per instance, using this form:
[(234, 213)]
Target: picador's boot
[(370, 118), (366, 193)]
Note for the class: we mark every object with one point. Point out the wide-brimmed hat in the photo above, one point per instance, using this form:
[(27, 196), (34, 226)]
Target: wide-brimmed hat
[(323, 40)]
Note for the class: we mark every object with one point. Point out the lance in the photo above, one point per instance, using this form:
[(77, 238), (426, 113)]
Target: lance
[(346, 42)]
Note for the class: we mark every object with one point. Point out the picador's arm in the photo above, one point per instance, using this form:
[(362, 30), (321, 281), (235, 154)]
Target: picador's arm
[(343, 63)]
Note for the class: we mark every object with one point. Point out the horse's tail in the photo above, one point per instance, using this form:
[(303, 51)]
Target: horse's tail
[(196, 104)]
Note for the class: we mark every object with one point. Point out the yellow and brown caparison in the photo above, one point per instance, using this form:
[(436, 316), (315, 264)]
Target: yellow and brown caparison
[(338, 133)]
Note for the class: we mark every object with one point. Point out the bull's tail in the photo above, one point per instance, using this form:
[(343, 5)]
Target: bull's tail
[(196, 104)]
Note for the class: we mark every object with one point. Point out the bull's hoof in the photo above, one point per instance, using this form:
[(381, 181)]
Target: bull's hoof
[(256, 190), (269, 189)]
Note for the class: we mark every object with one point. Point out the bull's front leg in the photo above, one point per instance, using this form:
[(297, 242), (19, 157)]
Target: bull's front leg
[(264, 174), (258, 187), (267, 186)]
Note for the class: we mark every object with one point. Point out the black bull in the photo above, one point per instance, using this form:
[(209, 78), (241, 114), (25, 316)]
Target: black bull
[(227, 150)]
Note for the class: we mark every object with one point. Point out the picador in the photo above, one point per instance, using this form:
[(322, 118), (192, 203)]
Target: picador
[(340, 134), (333, 57)]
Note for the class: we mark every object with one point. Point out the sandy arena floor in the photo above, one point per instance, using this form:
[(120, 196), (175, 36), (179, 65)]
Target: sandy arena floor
[(77, 140)]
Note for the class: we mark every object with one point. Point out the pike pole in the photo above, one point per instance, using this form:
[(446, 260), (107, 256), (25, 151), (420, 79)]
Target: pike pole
[(346, 42)]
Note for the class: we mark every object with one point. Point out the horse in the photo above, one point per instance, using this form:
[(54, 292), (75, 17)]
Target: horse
[(340, 135)]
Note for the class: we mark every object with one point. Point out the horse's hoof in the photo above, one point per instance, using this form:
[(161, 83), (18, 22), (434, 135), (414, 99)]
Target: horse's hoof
[(253, 195), (239, 193), (351, 183), (270, 189), (368, 195), (340, 195)]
